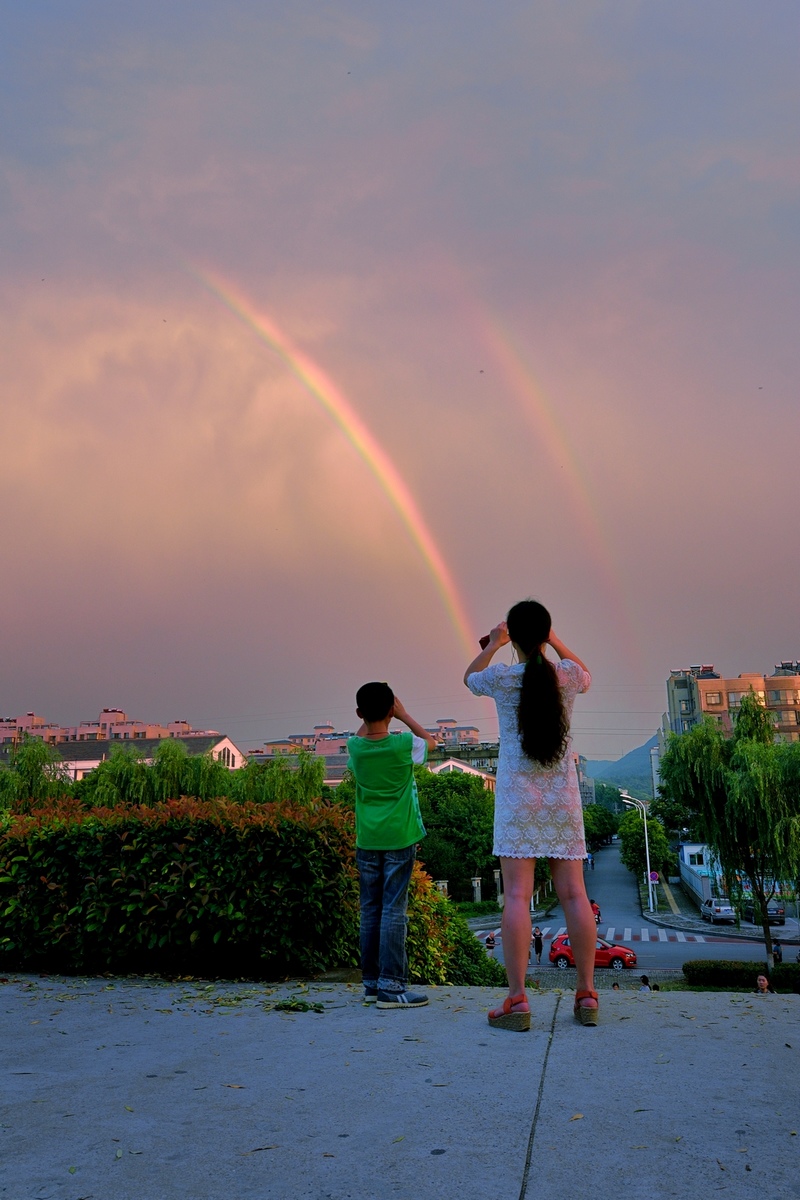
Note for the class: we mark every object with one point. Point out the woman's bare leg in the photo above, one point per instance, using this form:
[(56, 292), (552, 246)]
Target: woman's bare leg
[(518, 888), (571, 890)]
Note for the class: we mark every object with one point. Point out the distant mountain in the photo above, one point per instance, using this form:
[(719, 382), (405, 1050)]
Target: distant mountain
[(631, 772)]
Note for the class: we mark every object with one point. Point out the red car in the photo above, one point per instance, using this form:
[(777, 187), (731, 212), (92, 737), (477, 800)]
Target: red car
[(607, 954)]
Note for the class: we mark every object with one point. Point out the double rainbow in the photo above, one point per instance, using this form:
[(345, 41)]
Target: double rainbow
[(332, 400)]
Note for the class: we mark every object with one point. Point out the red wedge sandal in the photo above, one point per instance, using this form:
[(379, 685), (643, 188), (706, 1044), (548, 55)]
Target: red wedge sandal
[(586, 1016), (514, 1013)]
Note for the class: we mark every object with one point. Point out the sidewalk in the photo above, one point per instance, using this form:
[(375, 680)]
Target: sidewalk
[(137, 1090)]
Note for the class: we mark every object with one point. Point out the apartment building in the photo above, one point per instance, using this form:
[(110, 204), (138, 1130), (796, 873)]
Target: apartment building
[(112, 724), (448, 733), (327, 741), (697, 691)]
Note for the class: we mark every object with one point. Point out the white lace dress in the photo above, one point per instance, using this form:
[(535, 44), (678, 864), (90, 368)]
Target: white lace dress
[(537, 812)]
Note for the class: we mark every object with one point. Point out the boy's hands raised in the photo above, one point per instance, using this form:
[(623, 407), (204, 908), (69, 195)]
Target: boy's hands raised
[(400, 714)]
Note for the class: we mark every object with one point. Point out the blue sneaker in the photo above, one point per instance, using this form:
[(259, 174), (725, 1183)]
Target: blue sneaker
[(370, 995), (401, 1000)]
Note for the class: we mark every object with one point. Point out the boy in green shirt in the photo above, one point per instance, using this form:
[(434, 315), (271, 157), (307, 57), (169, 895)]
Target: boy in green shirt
[(388, 827)]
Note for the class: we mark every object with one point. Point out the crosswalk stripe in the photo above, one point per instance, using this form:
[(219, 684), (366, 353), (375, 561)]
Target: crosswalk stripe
[(662, 935), (698, 937), (680, 936), (610, 933), (627, 935), (563, 929), (645, 935), (546, 930)]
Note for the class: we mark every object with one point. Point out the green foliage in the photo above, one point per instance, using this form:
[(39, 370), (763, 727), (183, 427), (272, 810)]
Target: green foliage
[(345, 792), (441, 947), (469, 965), (298, 777), (737, 975), (743, 791), (608, 795), (186, 886), (599, 823), (35, 775), (206, 887), (458, 813), (675, 816), (632, 850), (124, 778), (471, 908)]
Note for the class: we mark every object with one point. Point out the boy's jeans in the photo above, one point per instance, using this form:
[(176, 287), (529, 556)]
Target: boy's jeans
[(384, 877)]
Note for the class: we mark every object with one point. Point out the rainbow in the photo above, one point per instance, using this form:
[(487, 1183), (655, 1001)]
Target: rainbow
[(331, 399)]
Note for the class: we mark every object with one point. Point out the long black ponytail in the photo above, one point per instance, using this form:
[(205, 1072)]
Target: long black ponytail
[(542, 722)]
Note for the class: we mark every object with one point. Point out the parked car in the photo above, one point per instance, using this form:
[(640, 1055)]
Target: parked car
[(606, 954), (776, 913), (717, 909)]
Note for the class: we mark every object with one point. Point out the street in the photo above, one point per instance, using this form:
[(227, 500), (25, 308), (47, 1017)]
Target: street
[(613, 887)]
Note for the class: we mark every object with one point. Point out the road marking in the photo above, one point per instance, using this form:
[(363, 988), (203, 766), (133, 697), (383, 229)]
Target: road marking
[(662, 935), (670, 898), (698, 937), (610, 933), (680, 937), (645, 935), (563, 929), (546, 930), (627, 935)]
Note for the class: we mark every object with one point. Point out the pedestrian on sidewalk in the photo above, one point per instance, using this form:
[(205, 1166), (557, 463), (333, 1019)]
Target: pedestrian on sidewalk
[(538, 944), (537, 801), (388, 827), (763, 986), (777, 951), (645, 981), (490, 943)]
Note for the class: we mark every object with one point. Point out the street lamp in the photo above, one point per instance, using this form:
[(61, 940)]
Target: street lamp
[(632, 802)]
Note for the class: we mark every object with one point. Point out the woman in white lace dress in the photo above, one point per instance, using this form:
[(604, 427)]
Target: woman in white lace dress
[(537, 801)]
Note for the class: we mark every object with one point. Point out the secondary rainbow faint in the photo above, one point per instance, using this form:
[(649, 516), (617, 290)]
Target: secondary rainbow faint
[(541, 416), (332, 400)]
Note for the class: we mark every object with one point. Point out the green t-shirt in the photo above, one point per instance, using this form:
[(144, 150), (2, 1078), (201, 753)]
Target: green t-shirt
[(387, 805)]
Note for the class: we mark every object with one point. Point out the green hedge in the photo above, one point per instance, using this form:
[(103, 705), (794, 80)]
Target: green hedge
[(186, 886), (740, 976), (205, 888)]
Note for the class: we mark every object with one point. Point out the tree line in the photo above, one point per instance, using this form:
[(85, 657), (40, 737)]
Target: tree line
[(36, 775)]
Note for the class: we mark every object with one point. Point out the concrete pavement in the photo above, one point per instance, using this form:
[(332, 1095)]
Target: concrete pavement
[(143, 1090)]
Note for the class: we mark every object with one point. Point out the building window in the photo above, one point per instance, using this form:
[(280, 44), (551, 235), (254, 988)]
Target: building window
[(713, 697), (686, 706), (696, 860)]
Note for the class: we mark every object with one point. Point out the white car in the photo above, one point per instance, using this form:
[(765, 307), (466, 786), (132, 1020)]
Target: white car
[(717, 909)]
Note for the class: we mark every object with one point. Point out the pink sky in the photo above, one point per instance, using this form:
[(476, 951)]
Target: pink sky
[(547, 253)]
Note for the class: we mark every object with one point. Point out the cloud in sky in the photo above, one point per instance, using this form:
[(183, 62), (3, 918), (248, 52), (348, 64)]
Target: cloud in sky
[(610, 189)]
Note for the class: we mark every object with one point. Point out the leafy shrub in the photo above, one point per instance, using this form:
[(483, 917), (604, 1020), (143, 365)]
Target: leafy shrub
[(469, 964), (181, 886), (739, 976), (204, 887)]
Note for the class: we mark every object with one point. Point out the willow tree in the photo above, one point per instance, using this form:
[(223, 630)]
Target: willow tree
[(744, 790)]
